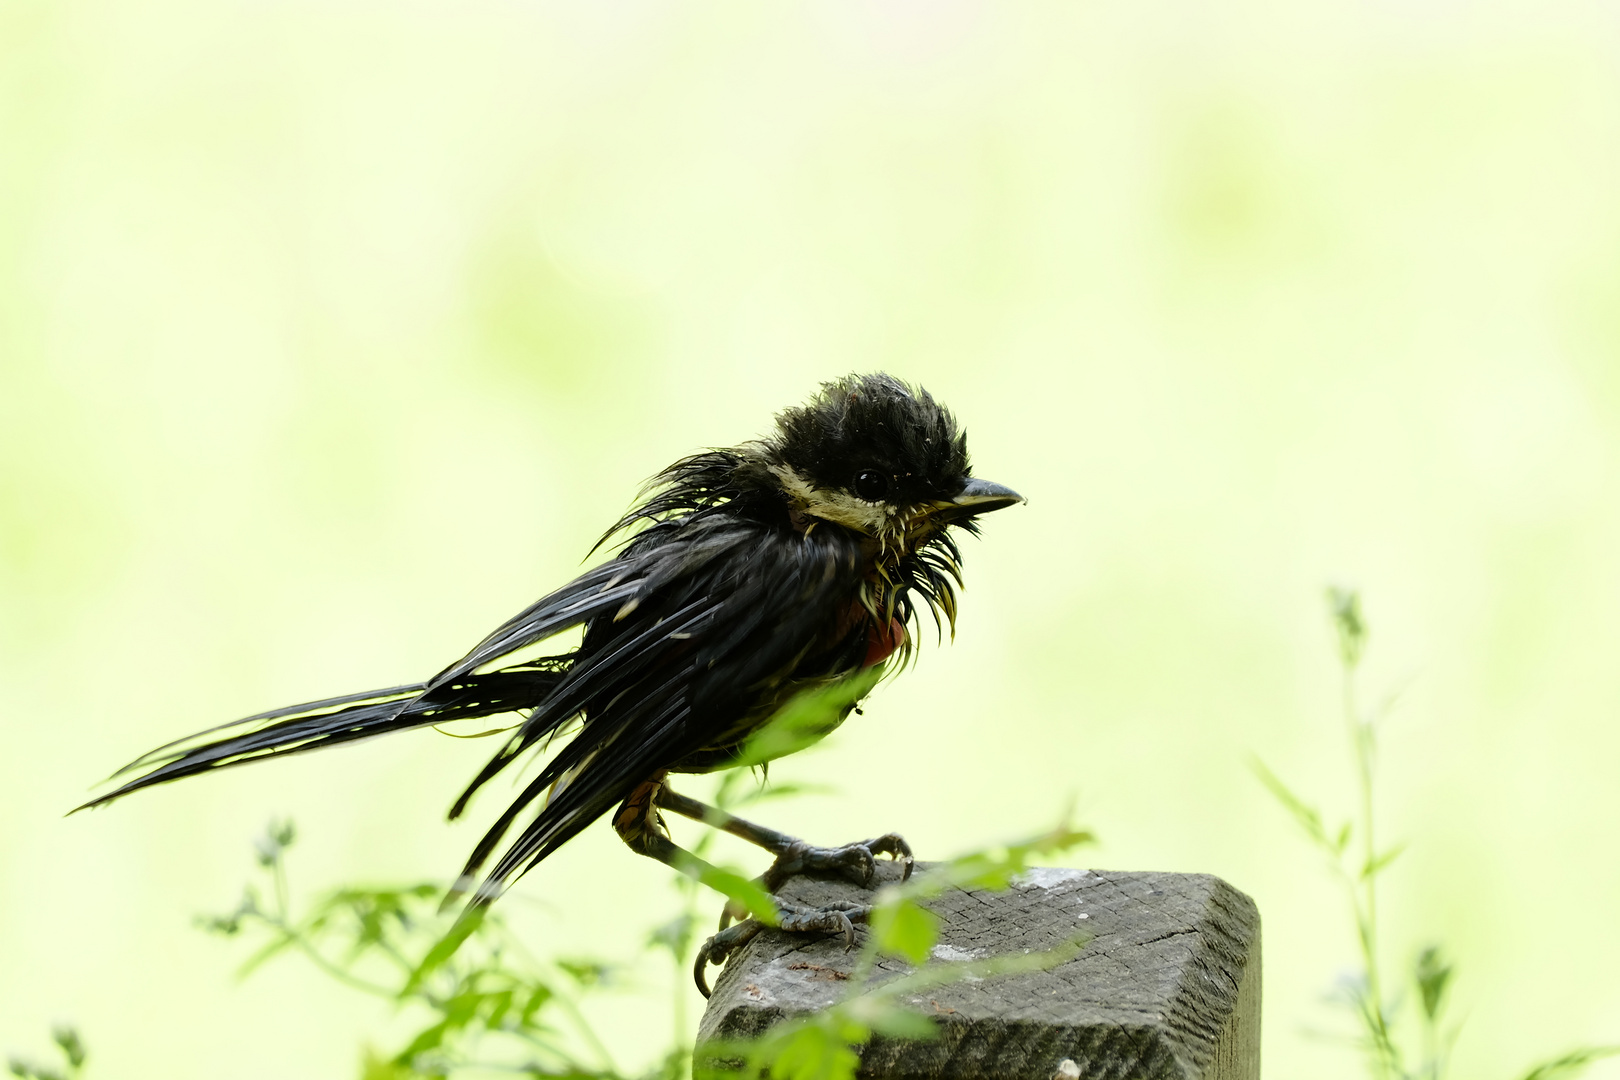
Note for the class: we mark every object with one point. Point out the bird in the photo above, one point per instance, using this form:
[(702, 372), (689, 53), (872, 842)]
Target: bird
[(743, 577)]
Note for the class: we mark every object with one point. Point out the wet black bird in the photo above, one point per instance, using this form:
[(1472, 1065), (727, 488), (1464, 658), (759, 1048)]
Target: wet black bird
[(749, 575)]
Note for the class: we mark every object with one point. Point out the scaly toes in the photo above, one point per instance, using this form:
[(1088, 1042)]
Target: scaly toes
[(839, 918), (858, 862), (720, 947), (893, 845), (855, 861)]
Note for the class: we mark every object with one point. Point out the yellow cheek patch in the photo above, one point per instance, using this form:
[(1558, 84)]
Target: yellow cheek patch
[(840, 507)]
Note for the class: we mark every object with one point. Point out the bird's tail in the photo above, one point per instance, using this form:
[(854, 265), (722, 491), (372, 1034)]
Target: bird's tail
[(350, 718)]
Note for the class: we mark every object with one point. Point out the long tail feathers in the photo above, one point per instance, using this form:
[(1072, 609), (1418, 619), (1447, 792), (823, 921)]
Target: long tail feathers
[(350, 718)]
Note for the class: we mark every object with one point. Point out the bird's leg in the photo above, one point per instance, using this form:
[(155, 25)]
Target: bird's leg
[(793, 856), (856, 861), (640, 826)]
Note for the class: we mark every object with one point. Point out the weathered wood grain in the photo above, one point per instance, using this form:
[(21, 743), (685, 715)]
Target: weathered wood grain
[(1167, 987)]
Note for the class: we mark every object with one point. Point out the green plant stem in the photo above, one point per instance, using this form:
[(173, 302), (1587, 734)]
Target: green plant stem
[(280, 921), (1361, 737), (679, 957), (333, 970), (566, 1003), (1363, 885)]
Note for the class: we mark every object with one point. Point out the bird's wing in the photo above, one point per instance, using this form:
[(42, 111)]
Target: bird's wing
[(723, 612)]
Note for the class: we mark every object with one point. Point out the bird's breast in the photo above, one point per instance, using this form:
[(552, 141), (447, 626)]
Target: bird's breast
[(882, 641)]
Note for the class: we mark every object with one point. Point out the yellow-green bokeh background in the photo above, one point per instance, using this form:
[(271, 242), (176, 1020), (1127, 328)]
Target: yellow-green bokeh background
[(332, 333)]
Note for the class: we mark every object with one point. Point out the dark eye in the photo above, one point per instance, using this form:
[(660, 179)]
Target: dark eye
[(871, 485)]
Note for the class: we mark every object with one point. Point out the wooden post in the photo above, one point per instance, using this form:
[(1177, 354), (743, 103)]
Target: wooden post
[(1167, 987)]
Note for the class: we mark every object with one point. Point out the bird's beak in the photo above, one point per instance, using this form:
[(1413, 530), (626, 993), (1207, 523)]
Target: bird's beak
[(977, 497)]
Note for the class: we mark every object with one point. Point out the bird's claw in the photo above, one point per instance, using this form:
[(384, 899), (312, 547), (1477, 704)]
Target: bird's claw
[(719, 948), (734, 910), (838, 917), (856, 861)]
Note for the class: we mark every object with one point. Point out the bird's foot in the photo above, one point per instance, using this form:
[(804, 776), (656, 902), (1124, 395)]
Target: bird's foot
[(858, 861), (839, 917)]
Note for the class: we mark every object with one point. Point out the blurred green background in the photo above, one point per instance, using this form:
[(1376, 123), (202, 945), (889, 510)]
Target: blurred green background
[(333, 333)]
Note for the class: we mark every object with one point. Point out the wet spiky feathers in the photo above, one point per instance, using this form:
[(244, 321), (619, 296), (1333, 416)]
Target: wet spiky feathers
[(744, 576)]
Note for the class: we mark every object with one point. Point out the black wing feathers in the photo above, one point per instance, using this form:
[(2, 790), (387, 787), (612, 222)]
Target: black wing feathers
[(587, 596), (710, 634), (703, 620)]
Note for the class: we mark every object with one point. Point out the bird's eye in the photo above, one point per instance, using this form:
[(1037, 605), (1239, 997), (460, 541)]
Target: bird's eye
[(871, 485)]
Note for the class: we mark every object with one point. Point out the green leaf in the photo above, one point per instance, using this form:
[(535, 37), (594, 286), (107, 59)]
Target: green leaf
[(762, 792), (738, 888), (376, 1067), (1051, 842), (278, 837), (67, 1037), (1379, 862), (979, 870), (938, 974), (901, 928), (586, 973), (1571, 1064), (808, 718), (1308, 818), (287, 938), (429, 1038), (1345, 608), (445, 948), (813, 1052), (995, 869), (896, 1022), (462, 1009), (499, 1004), (674, 935), (538, 996), (22, 1068), (1431, 973)]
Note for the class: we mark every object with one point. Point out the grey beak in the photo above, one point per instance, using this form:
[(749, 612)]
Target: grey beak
[(981, 497)]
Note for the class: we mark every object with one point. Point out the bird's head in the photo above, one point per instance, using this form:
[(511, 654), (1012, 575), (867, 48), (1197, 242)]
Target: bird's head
[(875, 456)]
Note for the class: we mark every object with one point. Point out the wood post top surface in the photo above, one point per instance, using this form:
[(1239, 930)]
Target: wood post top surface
[(1167, 985)]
